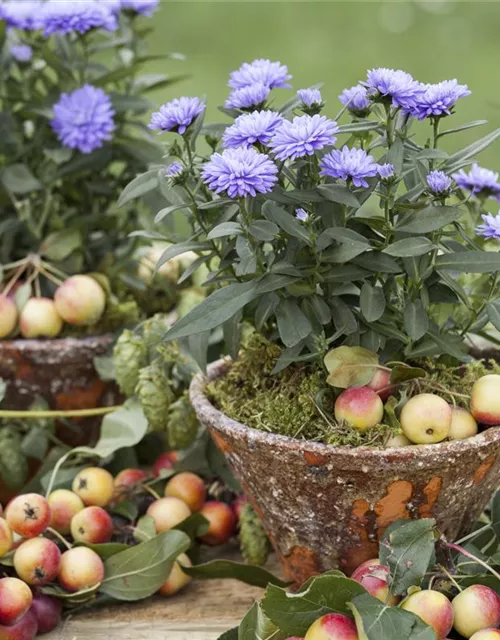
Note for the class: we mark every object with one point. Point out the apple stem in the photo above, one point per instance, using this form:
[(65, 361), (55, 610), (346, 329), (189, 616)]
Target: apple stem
[(70, 413), (50, 276), (151, 491), (16, 277), (474, 534), (57, 535), (450, 577), (55, 270), (467, 554)]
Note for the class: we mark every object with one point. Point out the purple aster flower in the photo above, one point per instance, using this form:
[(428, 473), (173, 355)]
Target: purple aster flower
[(21, 52), (248, 97), (356, 100), (393, 84), (176, 115), (310, 97), (258, 126), (438, 100), (301, 214), (385, 171), (349, 164), (261, 71), (303, 136), (479, 181), (26, 15), (84, 119), (240, 172), (438, 182), (491, 227), (144, 7), (174, 170), (64, 16)]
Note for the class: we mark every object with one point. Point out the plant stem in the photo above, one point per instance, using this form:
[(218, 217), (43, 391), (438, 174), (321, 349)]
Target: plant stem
[(15, 277), (474, 534), (467, 554), (450, 577), (69, 413), (57, 535), (150, 490)]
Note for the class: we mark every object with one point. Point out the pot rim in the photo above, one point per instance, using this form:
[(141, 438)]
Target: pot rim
[(54, 343), (205, 409)]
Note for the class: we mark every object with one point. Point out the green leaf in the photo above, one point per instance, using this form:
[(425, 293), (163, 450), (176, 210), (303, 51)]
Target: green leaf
[(58, 246), (493, 311), (407, 548), (294, 613), (458, 158), (350, 366), (285, 221), (429, 219), (145, 529), (256, 626), (355, 127), (469, 262), (163, 213), (372, 302), (495, 514), (293, 325), (376, 621), (346, 273), (416, 320), (263, 230), (339, 193), (227, 569), (402, 373), (463, 127), (18, 179), (178, 249), (378, 262), (106, 549), (140, 571), (142, 184), (225, 229), (409, 247), (232, 634), (194, 526)]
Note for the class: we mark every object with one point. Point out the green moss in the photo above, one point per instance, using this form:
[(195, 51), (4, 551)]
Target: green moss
[(117, 314)]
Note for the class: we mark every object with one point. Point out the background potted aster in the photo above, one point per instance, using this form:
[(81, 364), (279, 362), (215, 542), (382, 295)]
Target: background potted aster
[(72, 95), (354, 256)]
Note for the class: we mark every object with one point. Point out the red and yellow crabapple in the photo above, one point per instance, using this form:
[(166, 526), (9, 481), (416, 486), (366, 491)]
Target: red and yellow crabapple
[(39, 319), (189, 488), (28, 514), (167, 513), (374, 578), (80, 300), (177, 579), (359, 407), (81, 568), (238, 505), (463, 424), (64, 504), (486, 634), (47, 611), (6, 538), (37, 561), (221, 522), (15, 600), (426, 419), (95, 486), (25, 629), (476, 608), (433, 608), (128, 478), (165, 462), (381, 384), (8, 316), (92, 525), (485, 399), (333, 626), (398, 441)]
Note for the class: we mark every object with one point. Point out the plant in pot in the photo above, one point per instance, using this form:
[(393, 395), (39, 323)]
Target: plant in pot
[(363, 259), (72, 95)]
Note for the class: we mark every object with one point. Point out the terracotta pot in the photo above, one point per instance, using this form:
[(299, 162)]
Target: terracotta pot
[(325, 507)]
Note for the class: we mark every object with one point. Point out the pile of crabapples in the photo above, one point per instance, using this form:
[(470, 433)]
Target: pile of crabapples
[(425, 418), (79, 300), (37, 535), (474, 613)]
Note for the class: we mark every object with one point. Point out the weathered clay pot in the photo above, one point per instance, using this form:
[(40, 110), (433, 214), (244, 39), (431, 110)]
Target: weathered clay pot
[(325, 507), (62, 372)]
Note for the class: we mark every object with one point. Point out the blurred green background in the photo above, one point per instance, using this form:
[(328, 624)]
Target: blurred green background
[(334, 43)]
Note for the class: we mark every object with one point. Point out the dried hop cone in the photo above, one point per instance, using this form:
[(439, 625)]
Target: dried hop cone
[(182, 425), (155, 395), (254, 543), (13, 463), (129, 356)]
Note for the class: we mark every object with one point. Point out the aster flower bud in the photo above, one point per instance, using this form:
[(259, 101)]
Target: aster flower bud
[(438, 182), (356, 100), (301, 214), (182, 423), (312, 102), (481, 182), (155, 395), (129, 356), (386, 171), (254, 544), (490, 229)]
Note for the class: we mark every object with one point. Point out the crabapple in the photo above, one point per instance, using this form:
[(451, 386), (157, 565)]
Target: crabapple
[(15, 600), (92, 525), (169, 271), (359, 571), (398, 441), (28, 514), (64, 504), (486, 634), (80, 300), (221, 522), (476, 608), (485, 399), (6, 538), (81, 568), (463, 424), (238, 505), (189, 488), (40, 319), (381, 384), (433, 608), (165, 461), (37, 561), (177, 579), (168, 512), (94, 485), (47, 611), (8, 316), (374, 578), (25, 629), (426, 419), (360, 407), (129, 478), (333, 626)]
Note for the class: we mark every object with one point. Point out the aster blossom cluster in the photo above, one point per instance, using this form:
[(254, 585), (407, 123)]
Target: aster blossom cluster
[(252, 83), (248, 129), (303, 136)]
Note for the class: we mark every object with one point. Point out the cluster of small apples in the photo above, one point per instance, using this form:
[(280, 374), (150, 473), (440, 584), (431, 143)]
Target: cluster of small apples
[(474, 613), (79, 301), (425, 418)]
